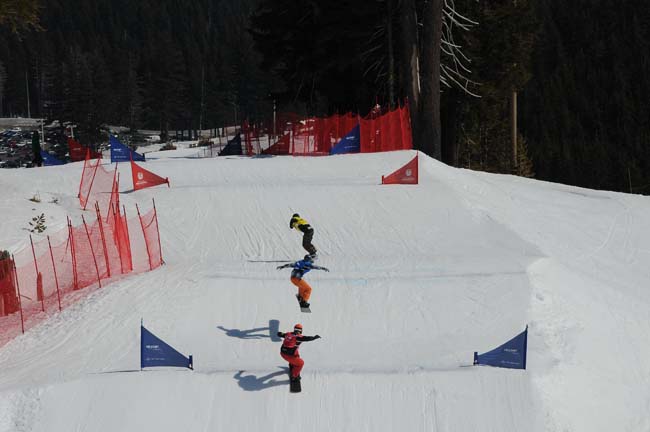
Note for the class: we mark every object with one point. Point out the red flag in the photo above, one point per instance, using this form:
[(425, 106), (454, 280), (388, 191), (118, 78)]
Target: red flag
[(144, 179), (408, 174), (79, 152)]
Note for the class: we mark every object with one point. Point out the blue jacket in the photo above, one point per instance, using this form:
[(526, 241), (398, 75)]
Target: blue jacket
[(302, 267)]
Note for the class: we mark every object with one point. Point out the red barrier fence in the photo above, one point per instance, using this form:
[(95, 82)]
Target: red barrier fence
[(316, 136), (386, 132), (98, 185), (149, 224), (58, 270)]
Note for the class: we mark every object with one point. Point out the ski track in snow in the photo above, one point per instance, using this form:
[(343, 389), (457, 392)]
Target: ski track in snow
[(421, 276)]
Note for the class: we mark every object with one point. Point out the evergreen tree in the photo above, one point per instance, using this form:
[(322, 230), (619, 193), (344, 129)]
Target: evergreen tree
[(582, 111), (19, 15), (3, 80)]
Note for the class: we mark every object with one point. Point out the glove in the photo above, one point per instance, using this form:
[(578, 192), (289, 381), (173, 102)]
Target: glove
[(316, 337), (278, 267), (280, 334), (326, 269)]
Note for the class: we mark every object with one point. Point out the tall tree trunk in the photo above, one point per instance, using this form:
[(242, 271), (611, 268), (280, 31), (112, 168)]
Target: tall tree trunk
[(449, 131), (408, 63), (429, 112)]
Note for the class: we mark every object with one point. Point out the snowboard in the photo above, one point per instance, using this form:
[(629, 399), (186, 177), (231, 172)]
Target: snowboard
[(294, 386), (302, 309)]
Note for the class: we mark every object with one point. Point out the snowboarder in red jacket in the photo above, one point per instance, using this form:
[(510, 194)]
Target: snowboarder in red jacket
[(289, 350)]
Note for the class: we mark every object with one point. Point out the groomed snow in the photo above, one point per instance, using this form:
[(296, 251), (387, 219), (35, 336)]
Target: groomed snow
[(421, 276)]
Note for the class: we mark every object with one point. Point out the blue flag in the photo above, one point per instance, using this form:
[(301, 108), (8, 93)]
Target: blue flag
[(155, 352), (121, 153), (49, 160), (351, 143), (233, 148), (511, 354)]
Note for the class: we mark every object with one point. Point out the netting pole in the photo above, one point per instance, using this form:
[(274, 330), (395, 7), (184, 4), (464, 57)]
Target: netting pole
[(92, 251), (101, 231), (114, 192), (82, 178), (128, 237), (117, 190), (91, 182), (118, 229), (20, 300), (144, 234), (74, 255), (155, 215), (56, 278), (39, 278)]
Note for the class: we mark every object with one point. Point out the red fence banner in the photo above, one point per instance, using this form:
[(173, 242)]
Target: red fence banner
[(8, 294), (79, 152), (408, 174), (281, 147), (144, 179)]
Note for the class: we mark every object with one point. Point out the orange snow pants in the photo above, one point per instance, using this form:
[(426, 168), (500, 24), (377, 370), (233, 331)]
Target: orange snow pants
[(296, 363), (304, 290)]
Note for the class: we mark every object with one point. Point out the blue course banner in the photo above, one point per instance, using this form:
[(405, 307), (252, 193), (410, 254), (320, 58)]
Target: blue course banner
[(49, 160), (155, 352), (511, 354), (233, 148), (121, 153), (351, 143)]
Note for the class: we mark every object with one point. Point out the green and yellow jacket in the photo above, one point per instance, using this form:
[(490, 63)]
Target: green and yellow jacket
[(299, 223)]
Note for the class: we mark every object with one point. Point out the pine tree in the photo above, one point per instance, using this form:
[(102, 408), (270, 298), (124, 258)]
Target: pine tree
[(19, 15), (3, 80)]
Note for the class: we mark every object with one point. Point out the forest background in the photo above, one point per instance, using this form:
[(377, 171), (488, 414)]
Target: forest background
[(580, 71)]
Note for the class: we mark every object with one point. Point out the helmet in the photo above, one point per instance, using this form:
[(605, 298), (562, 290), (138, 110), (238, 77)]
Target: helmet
[(308, 258), (294, 219), (297, 328)]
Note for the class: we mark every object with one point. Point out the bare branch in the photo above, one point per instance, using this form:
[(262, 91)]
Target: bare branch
[(454, 69)]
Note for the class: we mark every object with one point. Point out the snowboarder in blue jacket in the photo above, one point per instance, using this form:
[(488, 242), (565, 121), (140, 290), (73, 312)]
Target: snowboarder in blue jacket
[(300, 268)]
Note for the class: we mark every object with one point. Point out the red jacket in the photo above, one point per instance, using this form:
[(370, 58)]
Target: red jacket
[(292, 341)]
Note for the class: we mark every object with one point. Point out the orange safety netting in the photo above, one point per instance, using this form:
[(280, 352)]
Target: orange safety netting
[(313, 136), (97, 185), (386, 132), (54, 272), (149, 223), (316, 136)]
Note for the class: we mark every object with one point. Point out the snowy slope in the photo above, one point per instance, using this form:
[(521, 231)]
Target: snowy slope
[(421, 276)]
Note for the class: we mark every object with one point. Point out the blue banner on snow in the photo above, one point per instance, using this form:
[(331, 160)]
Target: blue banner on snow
[(351, 143), (233, 148), (121, 153), (511, 354), (49, 160), (155, 352)]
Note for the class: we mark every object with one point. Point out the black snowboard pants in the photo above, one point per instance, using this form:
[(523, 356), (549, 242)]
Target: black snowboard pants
[(306, 241)]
